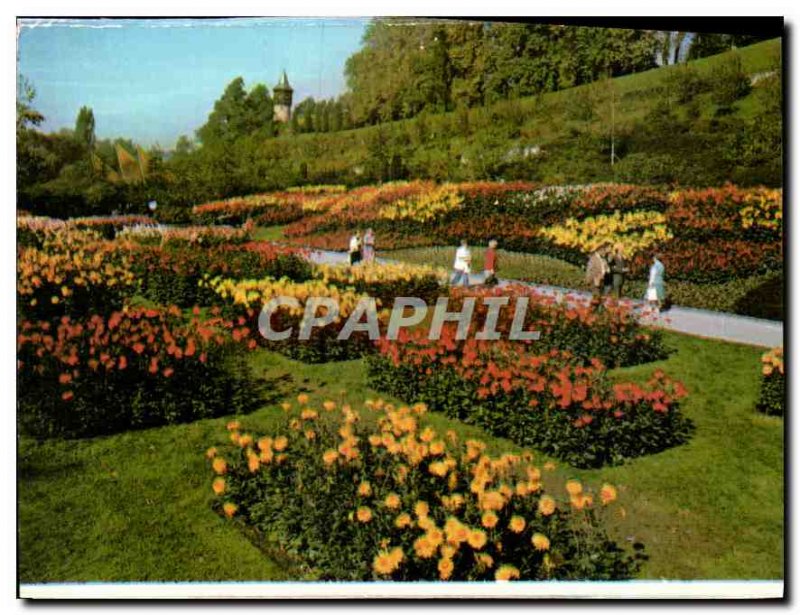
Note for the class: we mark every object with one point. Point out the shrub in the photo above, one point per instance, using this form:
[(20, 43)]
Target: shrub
[(685, 82), (371, 495), (547, 401), (773, 383), (134, 369), (729, 81)]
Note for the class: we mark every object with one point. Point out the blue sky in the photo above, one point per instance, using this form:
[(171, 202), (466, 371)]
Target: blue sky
[(153, 80)]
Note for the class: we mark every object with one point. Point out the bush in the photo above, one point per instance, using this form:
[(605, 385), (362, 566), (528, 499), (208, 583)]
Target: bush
[(372, 495), (547, 401), (135, 369), (685, 82), (729, 81), (773, 383)]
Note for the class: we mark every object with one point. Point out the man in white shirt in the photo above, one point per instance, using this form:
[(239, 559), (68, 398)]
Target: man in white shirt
[(461, 265), (355, 248)]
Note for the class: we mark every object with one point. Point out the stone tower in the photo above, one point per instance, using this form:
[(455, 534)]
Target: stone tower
[(282, 100)]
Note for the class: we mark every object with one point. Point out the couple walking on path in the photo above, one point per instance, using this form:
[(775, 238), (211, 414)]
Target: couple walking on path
[(606, 271), (359, 250)]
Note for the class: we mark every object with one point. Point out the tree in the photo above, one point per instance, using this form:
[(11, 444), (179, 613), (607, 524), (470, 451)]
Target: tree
[(708, 43), (27, 116), (184, 146), (84, 129)]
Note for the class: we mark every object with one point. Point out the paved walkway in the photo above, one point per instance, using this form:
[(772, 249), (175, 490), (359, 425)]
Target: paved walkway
[(703, 323)]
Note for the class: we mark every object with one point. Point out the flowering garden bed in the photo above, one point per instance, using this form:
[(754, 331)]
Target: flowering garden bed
[(369, 494), (550, 401), (137, 368)]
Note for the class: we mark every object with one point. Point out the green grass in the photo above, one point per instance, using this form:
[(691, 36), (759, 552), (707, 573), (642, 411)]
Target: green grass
[(137, 506), (512, 265), (269, 233)]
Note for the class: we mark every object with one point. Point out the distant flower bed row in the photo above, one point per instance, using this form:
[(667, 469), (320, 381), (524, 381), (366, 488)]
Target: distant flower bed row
[(267, 209), (369, 494), (734, 224)]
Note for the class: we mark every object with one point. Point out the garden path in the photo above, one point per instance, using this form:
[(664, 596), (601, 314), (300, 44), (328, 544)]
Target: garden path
[(703, 323)]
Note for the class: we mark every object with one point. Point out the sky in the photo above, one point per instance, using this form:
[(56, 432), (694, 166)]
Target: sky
[(153, 80)]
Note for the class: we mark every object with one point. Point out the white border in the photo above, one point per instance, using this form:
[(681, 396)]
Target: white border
[(666, 589), (550, 589)]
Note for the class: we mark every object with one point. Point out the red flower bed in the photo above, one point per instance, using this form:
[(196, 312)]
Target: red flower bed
[(736, 213), (714, 259), (613, 335), (136, 368), (606, 198), (546, 400)]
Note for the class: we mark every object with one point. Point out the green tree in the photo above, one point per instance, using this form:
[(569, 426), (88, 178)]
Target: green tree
[(84, 129), (229, 116), (184, 146)]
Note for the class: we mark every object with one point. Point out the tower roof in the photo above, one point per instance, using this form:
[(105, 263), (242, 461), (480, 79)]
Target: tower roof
[(283, 84)]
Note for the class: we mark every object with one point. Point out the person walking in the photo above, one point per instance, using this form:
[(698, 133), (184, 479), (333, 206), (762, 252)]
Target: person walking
[(619, 267), (596, 270), (656, 293), (369, 246), (355, 248), (461, 266), (490, 264)]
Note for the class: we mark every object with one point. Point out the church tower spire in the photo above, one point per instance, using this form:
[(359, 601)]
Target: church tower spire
[(282, 100)]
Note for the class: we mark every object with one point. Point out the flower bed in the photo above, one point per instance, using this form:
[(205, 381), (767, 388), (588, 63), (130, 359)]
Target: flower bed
[(172, 274), (72, 274), (713, 260), (33, 231), (387, 281), (732, 233), (244, 300), (636, 231), (549, 401), (109, 226), (773, 383), (371, 495), (752, 214), (137, 368), (198, 236), (267, 209), (612, 334)]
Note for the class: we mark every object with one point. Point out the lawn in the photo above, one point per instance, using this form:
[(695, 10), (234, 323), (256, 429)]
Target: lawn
[(137, 506)]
